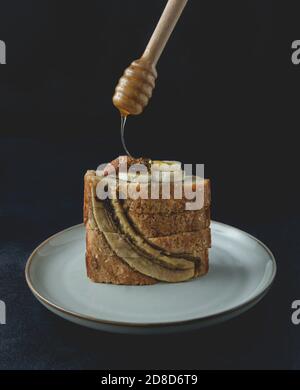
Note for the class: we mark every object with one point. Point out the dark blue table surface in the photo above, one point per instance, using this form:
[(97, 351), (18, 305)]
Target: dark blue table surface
[(41, 193)]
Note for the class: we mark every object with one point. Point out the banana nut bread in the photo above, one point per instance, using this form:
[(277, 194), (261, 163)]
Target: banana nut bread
[(144, 241)]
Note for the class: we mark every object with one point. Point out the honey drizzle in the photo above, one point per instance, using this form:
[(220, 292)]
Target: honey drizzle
[(123, 123)]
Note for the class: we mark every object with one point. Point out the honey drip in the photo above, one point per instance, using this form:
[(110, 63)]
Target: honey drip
[(123, 123)]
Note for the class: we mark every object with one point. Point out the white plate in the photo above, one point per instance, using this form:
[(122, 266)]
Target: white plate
[(241, 271)]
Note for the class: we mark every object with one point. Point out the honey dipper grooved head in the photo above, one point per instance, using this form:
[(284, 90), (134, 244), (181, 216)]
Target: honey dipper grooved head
[(135, 87)]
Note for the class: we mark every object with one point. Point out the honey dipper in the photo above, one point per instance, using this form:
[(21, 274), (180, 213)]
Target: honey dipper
[(135, 87)]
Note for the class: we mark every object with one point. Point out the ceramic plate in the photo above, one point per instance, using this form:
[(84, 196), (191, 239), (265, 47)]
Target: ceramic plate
[(241, 271)]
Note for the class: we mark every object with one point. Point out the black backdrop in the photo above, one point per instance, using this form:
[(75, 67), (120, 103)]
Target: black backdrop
[(218, 99), (227, 96), (214, 102)]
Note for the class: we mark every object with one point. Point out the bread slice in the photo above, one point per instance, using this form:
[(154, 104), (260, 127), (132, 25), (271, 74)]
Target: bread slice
[(165, 206), (191, 243), (156, 225), (104, 265)]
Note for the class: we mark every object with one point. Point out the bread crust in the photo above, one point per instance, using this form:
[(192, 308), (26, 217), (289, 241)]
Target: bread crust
[(89, 178)]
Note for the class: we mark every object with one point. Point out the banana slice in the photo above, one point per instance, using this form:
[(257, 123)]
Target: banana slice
[(100, 172), (134, 177), (167, 177), (166, 171), (166, 166)]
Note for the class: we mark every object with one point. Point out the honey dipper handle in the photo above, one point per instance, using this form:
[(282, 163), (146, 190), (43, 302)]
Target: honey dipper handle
[(164, 30)]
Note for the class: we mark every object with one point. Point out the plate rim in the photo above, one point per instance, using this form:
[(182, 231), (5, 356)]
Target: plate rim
[(247, 304)]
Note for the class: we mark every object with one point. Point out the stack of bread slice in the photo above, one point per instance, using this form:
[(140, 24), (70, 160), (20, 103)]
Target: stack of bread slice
[(144, 241)]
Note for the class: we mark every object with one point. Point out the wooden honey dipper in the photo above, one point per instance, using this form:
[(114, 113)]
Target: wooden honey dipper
[(135, 87)]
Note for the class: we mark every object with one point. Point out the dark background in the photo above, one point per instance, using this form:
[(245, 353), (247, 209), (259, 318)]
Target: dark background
[(227, 96)]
